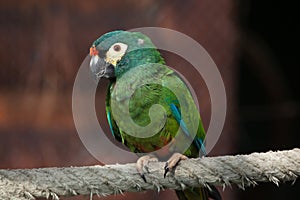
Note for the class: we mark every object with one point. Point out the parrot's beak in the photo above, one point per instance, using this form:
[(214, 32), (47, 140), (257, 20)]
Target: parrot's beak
[(99, 67)]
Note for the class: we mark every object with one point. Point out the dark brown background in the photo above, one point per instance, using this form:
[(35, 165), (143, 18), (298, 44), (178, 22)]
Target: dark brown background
[(43, 43)]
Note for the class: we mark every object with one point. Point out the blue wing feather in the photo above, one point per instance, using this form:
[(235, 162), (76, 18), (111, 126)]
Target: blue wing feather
[(108, 115), (176, 114)]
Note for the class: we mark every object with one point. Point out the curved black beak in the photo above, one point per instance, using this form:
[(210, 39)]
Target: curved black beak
[(100, 68)]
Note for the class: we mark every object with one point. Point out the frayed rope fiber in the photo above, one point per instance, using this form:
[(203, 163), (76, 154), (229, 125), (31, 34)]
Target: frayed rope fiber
[(242, 170)]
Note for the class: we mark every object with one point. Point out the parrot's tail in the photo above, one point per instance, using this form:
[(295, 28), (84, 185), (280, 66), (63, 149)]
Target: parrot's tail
[(198, 194)]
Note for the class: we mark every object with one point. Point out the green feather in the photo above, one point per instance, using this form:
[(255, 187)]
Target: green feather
[(159, 77)]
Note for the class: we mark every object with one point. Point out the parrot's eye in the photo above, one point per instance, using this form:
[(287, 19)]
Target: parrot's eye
[(117, 47), (115, 53)]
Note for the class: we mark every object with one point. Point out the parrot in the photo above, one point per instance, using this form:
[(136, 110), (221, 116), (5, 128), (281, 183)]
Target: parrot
[(138, 79)]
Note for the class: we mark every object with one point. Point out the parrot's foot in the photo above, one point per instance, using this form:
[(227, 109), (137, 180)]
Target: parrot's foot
[(142, 164), (173, 162)]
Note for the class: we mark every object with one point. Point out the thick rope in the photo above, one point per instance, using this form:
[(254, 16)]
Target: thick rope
[(243, 170)]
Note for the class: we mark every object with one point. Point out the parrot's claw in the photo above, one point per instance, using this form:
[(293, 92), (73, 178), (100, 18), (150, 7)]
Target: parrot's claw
[(142, 164), (173, 162)]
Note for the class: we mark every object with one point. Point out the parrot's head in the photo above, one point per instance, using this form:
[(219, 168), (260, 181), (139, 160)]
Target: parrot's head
[(116, 52)]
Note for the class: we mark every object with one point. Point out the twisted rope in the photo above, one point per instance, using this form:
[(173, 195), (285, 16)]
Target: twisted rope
[(242, 170)]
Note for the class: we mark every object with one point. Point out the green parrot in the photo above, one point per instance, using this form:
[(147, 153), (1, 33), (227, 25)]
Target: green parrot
[(139, 80)]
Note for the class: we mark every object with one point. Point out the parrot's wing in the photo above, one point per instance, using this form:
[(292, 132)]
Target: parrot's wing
[(191, 112), (197, 140), (112, 124)]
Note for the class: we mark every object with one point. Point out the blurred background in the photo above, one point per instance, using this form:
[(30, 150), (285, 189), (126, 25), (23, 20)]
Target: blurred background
[(43, 43)]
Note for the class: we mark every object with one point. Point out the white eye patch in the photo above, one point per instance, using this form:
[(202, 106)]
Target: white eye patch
[(115, 53)]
